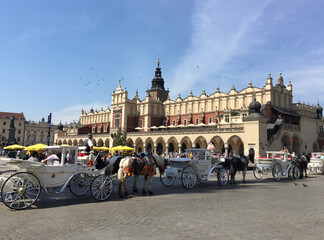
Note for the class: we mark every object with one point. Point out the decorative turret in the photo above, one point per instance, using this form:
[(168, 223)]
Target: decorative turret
[(280, 79), (254, 106), (289, 86), (269, 80), (157, 90)]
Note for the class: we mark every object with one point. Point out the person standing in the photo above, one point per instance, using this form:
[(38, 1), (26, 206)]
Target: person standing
[(88, 144)]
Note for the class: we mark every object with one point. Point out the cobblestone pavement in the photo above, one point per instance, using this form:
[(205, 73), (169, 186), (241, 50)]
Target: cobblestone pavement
[(262, 209)]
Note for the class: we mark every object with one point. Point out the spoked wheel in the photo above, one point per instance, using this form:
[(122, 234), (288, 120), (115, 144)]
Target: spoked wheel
[(101, 187), (167, 180), (258, 173), (189, 177), (20, 190), (276, 172), (202, 179), (222, 176), (80, 184), (318, 170), (296, 172)]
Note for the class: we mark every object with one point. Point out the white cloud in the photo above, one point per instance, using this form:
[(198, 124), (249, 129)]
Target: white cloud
[(220, 29), (71, 113), (308, 84)]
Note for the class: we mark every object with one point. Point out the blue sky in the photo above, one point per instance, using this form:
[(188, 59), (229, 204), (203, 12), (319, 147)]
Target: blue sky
[(51, 50)]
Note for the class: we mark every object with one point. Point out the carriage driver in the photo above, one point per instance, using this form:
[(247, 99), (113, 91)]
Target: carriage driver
[(88, 144)]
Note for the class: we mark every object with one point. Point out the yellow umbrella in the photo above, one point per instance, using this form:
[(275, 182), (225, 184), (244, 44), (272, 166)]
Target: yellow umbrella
[(15, 146), (121, 148), (36, 147)]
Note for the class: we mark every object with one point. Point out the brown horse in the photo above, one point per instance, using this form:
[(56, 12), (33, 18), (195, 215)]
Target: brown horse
[(237, 163), (302, 163), (143, 164)]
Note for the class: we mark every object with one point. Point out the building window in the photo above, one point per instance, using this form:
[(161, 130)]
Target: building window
[(210, 120), (321, 129), (4, 123), (19, 124), (19, 131), (3, 130), (185, 122), (197, 121), (34, 138), (105, 128), (28, 138), (117, 120), (94, 129), (173, 122), (18, 139), (227, 118), (99, 129), (41, 138)]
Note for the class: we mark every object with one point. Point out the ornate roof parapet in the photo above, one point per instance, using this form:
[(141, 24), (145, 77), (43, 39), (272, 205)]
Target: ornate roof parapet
[(280, 80), (289, 86)]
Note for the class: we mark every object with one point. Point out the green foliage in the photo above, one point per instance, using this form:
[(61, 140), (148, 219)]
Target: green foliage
[(120, 137)]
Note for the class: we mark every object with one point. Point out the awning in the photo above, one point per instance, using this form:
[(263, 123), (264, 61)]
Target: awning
[(286, 112)]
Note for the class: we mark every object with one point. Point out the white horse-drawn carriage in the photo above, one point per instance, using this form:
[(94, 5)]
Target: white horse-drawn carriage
[(22, 185), (198, 165), (316, 163), (278, 163)]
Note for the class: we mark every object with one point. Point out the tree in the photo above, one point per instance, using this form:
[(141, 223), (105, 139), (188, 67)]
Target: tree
[(120, 137)]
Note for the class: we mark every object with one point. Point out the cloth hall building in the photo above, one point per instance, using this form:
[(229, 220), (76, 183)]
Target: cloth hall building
[(251, 120)]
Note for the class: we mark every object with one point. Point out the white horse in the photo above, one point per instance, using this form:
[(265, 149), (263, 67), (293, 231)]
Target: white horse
[(141, 165)]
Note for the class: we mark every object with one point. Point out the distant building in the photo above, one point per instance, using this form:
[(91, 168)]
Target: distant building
[(37, 132), (19, 124), (251, 120)]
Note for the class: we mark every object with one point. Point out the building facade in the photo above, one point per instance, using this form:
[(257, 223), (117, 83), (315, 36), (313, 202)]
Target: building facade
[(19, 124), (252, 119), (37, 132)]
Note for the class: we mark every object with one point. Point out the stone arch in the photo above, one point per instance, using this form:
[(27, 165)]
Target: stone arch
[(130, 142), (81, 142), (296, 143), (286, 142), (160, 145), (75, 142), (235, 145), (172, 145), (139, 145), (185, 143), (200, 142), (94, 142), (107, 142), (149, 145), (219, 144), (64, 141), (59, 142), (100, 143), (70, 142), (316, 147)]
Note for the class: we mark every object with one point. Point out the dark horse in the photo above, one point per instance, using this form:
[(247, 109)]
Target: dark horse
[(237, 163), (302, 163)]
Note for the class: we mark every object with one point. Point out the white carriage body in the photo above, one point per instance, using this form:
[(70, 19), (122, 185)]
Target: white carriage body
[(316, 162), (53, 175), (281, 158), (197, 165)]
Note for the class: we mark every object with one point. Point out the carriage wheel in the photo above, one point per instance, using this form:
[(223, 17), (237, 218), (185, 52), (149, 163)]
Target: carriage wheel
[(296, 172), (80, 184), (276, 172), (20, 190), (258, 173), (202, 179), (189, 177), (222, 176), (167, 180), (101, 187)]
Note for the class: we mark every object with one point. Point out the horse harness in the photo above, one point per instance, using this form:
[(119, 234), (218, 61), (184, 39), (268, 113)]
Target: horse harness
[(141, 163)]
